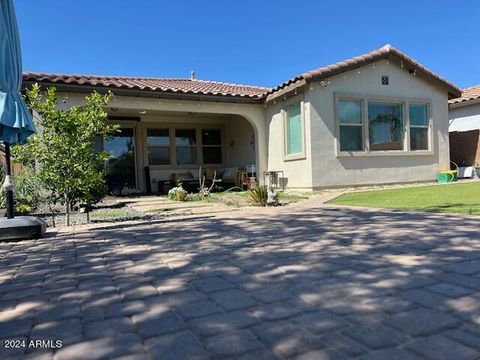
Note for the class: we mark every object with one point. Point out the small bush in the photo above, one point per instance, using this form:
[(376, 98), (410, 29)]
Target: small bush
[(27, 191), (197, 197), (258, 195), (177, 193), (23, 209)]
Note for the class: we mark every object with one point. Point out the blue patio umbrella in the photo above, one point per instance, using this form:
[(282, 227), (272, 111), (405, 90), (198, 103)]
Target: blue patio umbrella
[(16, 123)]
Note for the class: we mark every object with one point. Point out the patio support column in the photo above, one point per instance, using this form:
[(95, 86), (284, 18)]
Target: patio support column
[(258, 123), (261, 155)]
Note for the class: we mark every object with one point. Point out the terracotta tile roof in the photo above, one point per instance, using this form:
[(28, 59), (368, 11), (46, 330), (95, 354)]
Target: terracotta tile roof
[(253, 93), (170, 85), (470, 93), (384, 52)]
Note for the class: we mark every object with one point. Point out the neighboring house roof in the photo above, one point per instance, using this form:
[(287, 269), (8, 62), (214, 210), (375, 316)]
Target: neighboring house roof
[(183, 86), (251, 93), (468, 94), (385, 52)]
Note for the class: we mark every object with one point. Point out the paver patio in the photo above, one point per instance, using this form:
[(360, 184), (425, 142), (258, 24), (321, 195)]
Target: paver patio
[(306, 281)]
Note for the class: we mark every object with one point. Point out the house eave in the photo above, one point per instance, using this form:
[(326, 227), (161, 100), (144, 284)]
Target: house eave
[(287, 92), (464, 103), (386, 53), (73, 88)]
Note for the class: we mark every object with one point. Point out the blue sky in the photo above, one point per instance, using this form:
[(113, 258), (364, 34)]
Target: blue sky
[(251, 42)]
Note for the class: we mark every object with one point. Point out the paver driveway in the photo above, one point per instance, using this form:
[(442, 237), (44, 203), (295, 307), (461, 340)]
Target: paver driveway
[(305, 281)]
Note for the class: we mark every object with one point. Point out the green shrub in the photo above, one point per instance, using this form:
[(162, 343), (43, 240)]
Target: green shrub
[(28, 191), (197, 197), (177, 193), (22, 209), (258, 195)]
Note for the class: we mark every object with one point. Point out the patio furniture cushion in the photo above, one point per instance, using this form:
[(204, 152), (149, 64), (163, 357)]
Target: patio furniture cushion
[(209, 172), (230, 174)]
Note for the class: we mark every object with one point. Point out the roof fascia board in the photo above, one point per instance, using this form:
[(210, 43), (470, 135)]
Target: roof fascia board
[(464, 103), (289, 91), (146, 93)]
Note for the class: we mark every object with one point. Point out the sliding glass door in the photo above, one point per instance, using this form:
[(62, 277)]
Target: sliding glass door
[(120, 166)]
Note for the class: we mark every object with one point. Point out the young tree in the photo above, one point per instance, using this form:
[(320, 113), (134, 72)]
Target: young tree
[(69, 165)]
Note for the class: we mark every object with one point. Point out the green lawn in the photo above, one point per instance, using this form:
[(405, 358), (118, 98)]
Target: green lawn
[(448, 198)]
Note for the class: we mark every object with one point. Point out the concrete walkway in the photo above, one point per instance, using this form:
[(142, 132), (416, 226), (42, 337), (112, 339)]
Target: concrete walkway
[(161, 205), (304, 281)]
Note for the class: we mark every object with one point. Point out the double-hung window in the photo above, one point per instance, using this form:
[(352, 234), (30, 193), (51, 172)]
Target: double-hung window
[(186, 146), (158, 143), (294, 130), (351, 124), (212, 146), (419, 123)]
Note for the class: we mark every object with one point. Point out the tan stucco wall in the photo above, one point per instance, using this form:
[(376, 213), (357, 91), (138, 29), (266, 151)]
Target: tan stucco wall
[(331, 170), (321, 166), (298, 172), (240, 142)]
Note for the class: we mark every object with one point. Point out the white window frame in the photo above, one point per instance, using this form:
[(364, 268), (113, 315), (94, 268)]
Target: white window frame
[(300, 155), (366, 139), (338, 124), (428, 126)]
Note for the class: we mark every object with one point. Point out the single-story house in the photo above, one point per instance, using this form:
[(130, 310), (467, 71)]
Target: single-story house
[(464, 128), (380, 117)]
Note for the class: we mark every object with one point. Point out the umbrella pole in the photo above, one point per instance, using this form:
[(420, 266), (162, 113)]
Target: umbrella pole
[(8, 186)]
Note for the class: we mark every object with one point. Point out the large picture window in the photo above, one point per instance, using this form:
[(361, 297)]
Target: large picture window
[(419, 122), (158, 142), (370, 125), (385, 126), (294, 130), (351, 125)]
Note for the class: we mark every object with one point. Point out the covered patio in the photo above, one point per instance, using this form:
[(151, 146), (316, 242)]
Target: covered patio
[(154, 152), (169, 128)]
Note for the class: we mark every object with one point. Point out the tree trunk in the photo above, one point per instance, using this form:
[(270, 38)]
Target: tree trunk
[(67, 211), (52, 213), (87, 210)]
